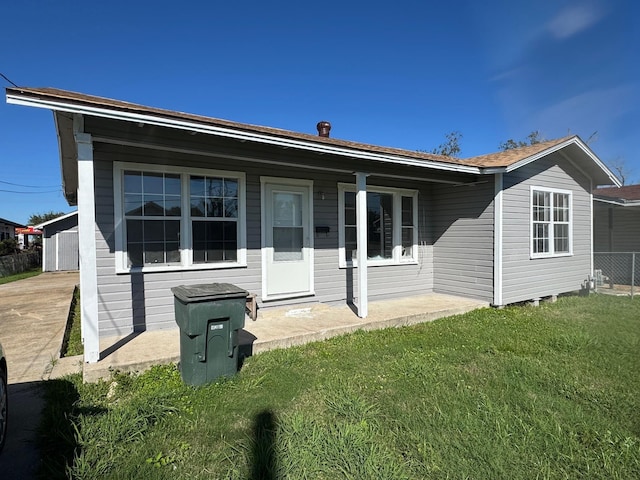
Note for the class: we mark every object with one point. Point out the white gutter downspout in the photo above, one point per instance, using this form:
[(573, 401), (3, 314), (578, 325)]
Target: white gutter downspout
[(592, 233), (361, 235), (87, 244), (497, 241)]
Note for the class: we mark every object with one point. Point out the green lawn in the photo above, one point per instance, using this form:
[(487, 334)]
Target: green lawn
[(518, 393), (19, 276), (72, 340)]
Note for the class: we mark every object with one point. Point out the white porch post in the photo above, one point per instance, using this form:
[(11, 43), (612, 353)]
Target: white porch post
[(361, 235), (87, 248), (497, 241)]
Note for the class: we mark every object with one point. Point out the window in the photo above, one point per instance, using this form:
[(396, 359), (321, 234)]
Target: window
[(214, 219), (391, 225), (172, 220), (550, 222), (152, 213)]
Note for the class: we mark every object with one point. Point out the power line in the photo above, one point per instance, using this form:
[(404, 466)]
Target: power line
[(28, 186), (32, 193), (3, 76)]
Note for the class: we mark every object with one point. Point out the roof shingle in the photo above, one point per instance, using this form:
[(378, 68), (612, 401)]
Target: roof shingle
[(626, 192)]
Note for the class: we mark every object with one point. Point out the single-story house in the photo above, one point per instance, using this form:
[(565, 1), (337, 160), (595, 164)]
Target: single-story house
[(167, 198), (616, 219), (60, 243), (8, 229)]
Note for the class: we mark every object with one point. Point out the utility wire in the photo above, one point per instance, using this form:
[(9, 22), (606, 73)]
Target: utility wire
[(28, 186), (4, 76), (32, 193)]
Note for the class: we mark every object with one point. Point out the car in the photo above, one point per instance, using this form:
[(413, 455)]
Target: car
[(4, 398)]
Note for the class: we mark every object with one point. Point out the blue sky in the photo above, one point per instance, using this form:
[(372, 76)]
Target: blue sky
[(399, 74)]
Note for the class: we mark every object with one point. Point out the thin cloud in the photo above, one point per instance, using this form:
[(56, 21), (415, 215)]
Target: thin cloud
[(573, 20), (589, 111), (507, 75)]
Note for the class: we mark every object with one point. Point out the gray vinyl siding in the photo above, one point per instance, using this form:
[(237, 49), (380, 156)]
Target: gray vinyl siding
[(463, 240), (60, 245), (143, 301), (525, 278), (622, 234)]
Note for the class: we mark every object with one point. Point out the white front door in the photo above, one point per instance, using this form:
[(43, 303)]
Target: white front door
[(287, 240)]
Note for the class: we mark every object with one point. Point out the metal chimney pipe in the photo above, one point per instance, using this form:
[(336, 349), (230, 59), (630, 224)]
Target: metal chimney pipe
[(324, 128)]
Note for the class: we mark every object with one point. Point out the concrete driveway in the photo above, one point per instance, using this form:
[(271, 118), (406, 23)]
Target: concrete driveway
[(33, 316)]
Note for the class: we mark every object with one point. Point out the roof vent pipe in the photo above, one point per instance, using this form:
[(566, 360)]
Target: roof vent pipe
[(323, 128)]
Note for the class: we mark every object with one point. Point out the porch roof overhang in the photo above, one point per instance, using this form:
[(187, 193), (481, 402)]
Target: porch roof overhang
[(68, 106)]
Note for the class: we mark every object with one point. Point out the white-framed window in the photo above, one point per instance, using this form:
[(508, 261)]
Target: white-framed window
[(392, 220), (551, 222), (171, 218)]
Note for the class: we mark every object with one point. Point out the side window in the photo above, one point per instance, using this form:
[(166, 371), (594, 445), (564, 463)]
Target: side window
[(550, 222)]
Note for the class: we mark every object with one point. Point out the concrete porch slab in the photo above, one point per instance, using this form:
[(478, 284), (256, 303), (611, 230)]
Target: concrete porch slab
[(279, 328)]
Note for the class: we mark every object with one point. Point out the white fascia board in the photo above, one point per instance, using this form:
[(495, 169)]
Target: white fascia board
[(560, 146), (57, 219), (493, 170), (237, 134)]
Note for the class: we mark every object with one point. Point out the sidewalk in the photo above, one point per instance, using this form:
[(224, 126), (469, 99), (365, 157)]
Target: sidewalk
[(278, 328), (33, 317)]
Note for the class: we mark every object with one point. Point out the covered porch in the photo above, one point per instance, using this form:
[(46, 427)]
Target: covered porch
[(279, 328)]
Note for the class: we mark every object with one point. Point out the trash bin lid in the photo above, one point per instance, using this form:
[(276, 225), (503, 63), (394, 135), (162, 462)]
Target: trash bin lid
[(207, 291)]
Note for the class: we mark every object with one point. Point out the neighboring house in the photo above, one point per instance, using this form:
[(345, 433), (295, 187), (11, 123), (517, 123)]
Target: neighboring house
[(167, 198), (8, 229), (616, 219), (60, 243)]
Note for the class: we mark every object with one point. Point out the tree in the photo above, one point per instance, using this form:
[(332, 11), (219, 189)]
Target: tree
[(450, 148), (619, 166), (37, 219), (531, 139)]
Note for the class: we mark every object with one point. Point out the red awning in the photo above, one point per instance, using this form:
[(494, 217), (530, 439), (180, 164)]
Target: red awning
[(28, 231)]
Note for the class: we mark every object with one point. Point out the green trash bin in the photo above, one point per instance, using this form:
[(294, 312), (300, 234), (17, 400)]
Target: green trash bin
[(209, 317)]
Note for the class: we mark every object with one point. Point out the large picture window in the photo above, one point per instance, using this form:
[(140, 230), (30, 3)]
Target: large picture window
[(178, 219), (550, 222), (391, 225)]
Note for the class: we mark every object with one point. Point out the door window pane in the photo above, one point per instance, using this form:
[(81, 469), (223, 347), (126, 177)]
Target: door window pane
[(287, 209), (287, 244)]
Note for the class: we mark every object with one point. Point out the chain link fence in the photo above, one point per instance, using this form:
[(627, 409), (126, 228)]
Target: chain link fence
[(617, 272)]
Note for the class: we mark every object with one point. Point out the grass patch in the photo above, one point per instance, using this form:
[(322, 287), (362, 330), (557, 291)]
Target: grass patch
[(72, 339), (21, 276), (518, 393)]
